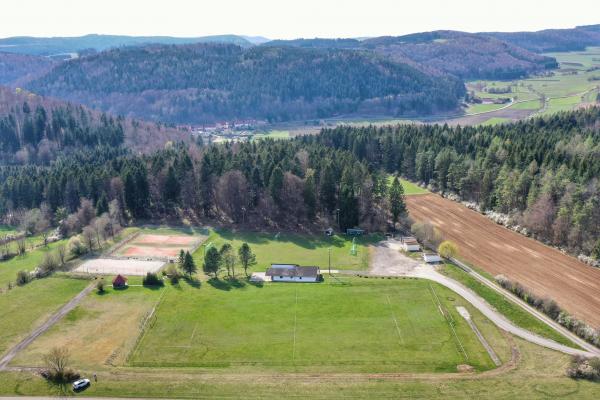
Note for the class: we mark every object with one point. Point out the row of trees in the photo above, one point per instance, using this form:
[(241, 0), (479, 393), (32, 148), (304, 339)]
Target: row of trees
[(262, 183), (544, 173), (215, 260)]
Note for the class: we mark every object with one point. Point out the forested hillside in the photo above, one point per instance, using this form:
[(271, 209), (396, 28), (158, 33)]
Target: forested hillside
[(466, 55), (544, 172), (35, 130), (57, 46), (206, 83), (18, 67), (551, 40)]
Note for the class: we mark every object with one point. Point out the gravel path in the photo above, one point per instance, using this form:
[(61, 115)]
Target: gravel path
[(388, 260), (57, 316)]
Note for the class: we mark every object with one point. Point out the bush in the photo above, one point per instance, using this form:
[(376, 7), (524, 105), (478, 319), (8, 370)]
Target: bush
[(584, 368), (76, 248), (448, 249), (152, 279), (23, 277), (48, 266)]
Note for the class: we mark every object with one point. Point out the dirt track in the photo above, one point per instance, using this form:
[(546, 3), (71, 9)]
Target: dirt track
[(497, 250)]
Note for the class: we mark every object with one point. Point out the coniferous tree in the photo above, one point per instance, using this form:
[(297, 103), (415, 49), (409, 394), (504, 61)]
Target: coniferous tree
[(397, 201)]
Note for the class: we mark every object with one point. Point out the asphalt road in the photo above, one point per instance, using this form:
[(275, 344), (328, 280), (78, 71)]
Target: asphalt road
[(388, 261)]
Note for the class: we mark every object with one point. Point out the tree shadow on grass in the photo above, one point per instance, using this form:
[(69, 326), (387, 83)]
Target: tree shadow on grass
[(227, 284), (193, 282)]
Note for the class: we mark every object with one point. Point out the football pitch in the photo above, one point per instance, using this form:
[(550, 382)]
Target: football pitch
[(356, 325)]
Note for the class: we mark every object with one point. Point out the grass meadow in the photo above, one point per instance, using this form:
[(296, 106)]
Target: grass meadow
[(294, 249), (345, 325), (25, 307), (513, 312)]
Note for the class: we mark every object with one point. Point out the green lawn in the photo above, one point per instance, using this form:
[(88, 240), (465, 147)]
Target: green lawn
[(274, 134), (409, 187), (495, 121), (360, 325), (480, 108), (527, 105), (294, 249), (24, 308), (7, 230), (513, 312), (27, 262)]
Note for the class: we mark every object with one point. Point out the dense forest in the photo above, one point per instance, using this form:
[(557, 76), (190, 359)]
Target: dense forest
[(550, 40), (544, 173), (465, 55), (266, 184), (35, 130), (17, 68), (211, 82)]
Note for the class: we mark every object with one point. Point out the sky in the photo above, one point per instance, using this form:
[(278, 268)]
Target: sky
[(286, 19)]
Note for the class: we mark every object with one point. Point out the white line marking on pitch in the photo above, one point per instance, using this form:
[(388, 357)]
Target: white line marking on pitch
[(295, 319), (450, 323), (395, 320)]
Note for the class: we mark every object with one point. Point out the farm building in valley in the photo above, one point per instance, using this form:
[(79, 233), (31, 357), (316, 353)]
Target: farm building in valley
[(409, 243), (293, 273)]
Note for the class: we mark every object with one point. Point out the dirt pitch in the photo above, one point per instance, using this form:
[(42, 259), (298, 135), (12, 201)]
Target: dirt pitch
[(109, 266), (159, 246), (497, 250)]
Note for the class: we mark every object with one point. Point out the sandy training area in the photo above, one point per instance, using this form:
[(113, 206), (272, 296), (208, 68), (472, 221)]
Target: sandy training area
[(107, 266), (159, 246), (497, 250)]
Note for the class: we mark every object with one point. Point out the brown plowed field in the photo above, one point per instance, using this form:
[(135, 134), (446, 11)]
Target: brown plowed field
[(497, 250)]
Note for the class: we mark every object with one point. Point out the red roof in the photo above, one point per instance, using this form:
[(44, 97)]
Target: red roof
[(119, 280)]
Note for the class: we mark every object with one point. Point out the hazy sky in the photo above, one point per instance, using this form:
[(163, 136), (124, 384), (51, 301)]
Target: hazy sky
[(286, 18)]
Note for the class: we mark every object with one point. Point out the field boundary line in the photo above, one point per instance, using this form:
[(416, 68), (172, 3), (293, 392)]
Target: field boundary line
[(395, 320), (450, 321), (146, 324), (295, 325)]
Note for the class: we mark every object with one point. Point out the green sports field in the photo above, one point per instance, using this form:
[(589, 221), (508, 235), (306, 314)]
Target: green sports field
[(294, 249), (360, 325)]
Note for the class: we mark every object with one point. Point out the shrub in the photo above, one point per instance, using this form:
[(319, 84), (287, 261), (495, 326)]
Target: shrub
[(76, 248), (152, 279), (448, 249), (48, 266), (584, 368), (100, 286), (23, 277)]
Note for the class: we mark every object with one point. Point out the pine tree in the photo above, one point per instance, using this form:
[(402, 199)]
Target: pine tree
[(102, 205), (212, 261), (397, 202), (247, 257), (276, 183), (172, 187), (189, 266)]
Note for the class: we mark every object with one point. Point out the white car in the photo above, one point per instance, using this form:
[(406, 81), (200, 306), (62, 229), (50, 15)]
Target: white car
[(81, 383)]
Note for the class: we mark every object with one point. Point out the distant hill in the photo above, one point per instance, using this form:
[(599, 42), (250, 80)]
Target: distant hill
[(553, 40), (15, 68), (468, 56), (36, 129), (211, 82), (66, 45)]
